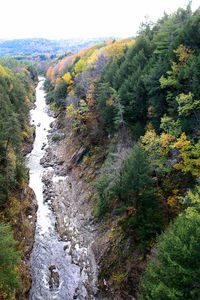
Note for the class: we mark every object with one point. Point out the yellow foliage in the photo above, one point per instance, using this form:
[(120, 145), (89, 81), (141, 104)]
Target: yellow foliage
[(93, 58), (151, 111), (183, 54), (67, 77), (73, 116), (150, 138), (80, 66), (71, 111), (149, 126), (80, 53), (189, 154), (3, 71), (172, 201), (157, 147), (86, 159), (117, 48), (12, 157), (166, 141), (131, 43), (182, 143)]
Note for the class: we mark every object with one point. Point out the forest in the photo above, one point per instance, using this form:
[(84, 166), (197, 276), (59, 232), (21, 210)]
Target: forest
[(17, 81), (134, 104), (140, 99)]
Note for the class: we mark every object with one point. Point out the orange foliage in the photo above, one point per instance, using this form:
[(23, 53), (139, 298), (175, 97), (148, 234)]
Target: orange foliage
[(90, 95), (49, 72), (110, 101), (61, 65), (74, 57), (57, 81)]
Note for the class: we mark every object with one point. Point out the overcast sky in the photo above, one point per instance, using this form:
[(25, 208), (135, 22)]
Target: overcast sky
[(62, 19)]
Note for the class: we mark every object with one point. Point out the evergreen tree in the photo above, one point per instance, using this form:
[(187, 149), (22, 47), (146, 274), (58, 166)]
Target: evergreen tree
[(175, 273), (9, 260), (135, 187)]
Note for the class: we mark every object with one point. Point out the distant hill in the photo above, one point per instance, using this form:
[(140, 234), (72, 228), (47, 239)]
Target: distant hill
[(43, 46)]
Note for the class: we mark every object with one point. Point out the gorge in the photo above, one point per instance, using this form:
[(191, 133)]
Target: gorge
[(59, 267)]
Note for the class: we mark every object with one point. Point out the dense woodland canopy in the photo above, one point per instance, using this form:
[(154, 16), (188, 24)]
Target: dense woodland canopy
[(140, 99), (144, 91), (16, 92)]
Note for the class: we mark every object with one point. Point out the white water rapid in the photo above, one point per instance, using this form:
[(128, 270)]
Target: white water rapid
[(49, 255)]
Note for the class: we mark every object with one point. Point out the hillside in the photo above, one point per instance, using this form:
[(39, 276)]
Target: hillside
[(43, 46), (119, 166), (131, 113), (17, 200)]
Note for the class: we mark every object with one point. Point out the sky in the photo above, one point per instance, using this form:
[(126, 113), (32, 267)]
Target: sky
[(63, 19)]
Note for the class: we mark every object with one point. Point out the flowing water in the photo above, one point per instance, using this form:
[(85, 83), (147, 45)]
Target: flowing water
[(48, 252)]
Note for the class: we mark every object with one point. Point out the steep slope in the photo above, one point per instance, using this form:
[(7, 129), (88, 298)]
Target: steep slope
[(130, 113), (17, 201)]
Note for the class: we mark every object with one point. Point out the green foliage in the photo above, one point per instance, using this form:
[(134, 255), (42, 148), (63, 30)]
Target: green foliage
[(170, 126), (79, 67), (135, 187), (137, 130), (189, 154), (102, 205), (153, 86), (135, 177), (108, 111), (15, 88), (192, 202), (132, 188), (175, 273), (83, 108), (9, 260), (20, 170), (60, 93), (187, 105)]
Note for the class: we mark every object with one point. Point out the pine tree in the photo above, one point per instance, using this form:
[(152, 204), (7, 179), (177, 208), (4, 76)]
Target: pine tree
[(9, 260), (175, 273)]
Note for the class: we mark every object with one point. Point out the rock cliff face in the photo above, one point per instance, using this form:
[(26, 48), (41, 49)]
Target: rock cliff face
[(24, 229)]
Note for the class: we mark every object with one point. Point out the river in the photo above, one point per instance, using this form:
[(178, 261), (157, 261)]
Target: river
[(54, 276)]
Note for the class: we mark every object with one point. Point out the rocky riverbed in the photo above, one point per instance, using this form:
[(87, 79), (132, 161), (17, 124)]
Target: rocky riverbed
[(62, 261), (68, 196)]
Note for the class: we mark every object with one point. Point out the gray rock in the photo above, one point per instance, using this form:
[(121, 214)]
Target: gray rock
[(78, 155)]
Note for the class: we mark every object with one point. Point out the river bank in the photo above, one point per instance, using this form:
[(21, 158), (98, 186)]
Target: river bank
[(62, 262), (75, 255), (69, 198)]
